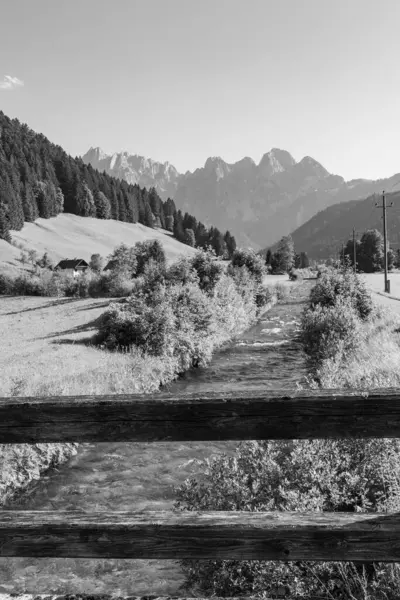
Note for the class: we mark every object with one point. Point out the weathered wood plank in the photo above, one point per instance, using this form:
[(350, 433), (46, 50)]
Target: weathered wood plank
[(209, 535), (256, 414)]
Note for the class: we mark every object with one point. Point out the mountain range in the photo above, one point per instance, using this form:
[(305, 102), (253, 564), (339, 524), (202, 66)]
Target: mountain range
[(257, 203)]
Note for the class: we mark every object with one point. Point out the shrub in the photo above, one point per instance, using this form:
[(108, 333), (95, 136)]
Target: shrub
[(182, 271), (234, 306), (321, 475), (194, 325), (208, 270), (123, 259), (51, 283), (328, 330), (281, 291), (264, 296), (27, 285), (113, 284), (333, 285), (6, 284), (252, 261), (96, 262), (149, 250), (295, 275), (134, 322)]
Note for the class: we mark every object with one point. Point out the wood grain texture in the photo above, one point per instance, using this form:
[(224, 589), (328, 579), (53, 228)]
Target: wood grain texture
[(257, 414), (202, 535)]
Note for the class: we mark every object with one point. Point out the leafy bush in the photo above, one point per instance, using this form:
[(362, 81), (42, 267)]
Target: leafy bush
[(149, 250), (208, 270), (113, 284), (134, 322), (234, 307), (264, 296), (175, 321), (328, 330), (334, 284), (252, 261), (295, 275), (27, 285), (182, 271), (6, 284), (321, 475), (281, 291)]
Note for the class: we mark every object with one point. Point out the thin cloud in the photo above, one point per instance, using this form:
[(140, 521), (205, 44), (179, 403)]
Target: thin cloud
[(10, 83)]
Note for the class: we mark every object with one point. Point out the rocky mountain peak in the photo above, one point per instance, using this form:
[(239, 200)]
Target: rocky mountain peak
[(215, 164), (312, 167), (275, 161)]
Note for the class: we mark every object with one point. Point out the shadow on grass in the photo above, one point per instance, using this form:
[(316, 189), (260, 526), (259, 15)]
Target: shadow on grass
[(59, 302), (78, 329), (89, 341), (102, 304)]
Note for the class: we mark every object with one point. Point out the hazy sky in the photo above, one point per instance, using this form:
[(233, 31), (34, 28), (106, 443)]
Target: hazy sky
[(181, 80)]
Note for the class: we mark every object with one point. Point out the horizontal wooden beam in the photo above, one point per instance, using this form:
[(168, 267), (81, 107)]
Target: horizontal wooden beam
[(254, 415), (276, 535)]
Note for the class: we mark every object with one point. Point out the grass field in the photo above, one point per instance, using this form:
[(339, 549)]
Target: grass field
[(375, 283), (45, 351), (70, 236)]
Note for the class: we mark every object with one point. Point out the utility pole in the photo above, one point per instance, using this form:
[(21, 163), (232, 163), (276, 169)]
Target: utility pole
[(343, 253), (385, 250), (354, 251)]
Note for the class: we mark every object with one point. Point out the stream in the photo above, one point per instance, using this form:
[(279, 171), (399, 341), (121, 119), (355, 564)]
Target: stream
[(142, 476)]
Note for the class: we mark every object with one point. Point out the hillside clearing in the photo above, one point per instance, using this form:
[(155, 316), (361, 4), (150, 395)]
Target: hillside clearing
[(70, 236)]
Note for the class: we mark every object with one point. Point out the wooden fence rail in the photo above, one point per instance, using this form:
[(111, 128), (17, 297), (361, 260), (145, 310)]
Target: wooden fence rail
[(259, 415), (283, 536)]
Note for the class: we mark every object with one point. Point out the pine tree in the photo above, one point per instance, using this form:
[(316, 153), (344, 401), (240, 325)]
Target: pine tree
[(103, 207), (189, 237), (4, 225), (148, 216)]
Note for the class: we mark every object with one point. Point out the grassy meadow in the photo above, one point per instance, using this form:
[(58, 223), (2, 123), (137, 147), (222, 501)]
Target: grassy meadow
[(46, 351), (70, 236)]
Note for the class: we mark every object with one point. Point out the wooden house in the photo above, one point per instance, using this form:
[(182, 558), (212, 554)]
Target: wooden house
[(74, 266)]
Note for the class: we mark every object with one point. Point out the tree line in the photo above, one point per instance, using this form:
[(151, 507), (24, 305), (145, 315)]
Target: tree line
[(285, 258), (39, 179), (369, 253)]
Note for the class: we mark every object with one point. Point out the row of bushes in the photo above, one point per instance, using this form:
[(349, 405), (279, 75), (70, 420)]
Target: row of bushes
[(125, 267), (328, 475), (187, 310), (44, 282)]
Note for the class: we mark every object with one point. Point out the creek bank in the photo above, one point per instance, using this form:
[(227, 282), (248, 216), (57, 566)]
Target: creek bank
[(139, 476), (23, 465)]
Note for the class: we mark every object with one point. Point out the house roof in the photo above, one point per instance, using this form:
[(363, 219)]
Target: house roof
[(110, 265), (72, 263)]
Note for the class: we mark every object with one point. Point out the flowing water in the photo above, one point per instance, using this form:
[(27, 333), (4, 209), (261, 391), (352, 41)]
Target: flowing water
[(131, 476)]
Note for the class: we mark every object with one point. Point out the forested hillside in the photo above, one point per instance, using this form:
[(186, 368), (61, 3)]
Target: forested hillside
[(322, 236), (39, 179)]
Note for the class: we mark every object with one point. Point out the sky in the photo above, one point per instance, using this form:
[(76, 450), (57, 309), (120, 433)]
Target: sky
[(182, 80)]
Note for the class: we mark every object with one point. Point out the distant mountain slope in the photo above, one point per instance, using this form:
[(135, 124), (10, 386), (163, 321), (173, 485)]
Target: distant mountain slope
[(323, 235), (257, 203), (70, 236)]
